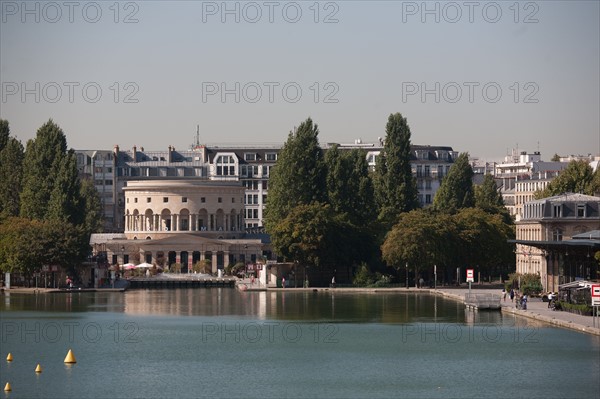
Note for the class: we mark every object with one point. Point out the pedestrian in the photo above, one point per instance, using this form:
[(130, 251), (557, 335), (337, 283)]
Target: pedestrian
[(504, 294), (333, 282), (512, 295), (524, 302), (282, 282)]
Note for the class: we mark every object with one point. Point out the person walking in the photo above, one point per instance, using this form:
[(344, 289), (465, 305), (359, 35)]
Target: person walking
[(504, 294), (512, 295), (282, 282)]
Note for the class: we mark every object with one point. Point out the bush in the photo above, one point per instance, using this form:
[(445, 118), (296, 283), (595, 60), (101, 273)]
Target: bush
[(582, 309), (364, 277), (531, 284)]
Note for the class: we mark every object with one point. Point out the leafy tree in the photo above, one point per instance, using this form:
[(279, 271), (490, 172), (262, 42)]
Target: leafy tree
[(555, 158), (578, 177), (11, 171), (4, 133), (395, 186), (484, 240), (93, 206), (488, 199), (21, 245), (420, 239), (299, 176), (42, 163), (65, 202), (349, 186), (306, 234), (456, 190)]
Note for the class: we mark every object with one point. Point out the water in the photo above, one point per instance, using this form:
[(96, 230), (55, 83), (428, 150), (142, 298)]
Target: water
[(226, 343)]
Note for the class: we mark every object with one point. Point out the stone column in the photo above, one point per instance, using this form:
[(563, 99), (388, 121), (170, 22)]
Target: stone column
[(214, 261)]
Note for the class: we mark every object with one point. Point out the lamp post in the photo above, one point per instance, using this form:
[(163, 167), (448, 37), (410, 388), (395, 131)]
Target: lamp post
[(406, 266), (245, 260)]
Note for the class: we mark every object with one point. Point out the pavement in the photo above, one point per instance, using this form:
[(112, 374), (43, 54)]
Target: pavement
[(536, 309)]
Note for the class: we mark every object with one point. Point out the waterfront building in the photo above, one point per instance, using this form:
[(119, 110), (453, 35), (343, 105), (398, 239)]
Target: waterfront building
[(520, 175), (551, 239), (249, 165)]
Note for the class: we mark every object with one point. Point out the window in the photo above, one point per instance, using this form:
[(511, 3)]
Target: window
[(128, 200), (427, 172), (135, 200), (219, 199), (265, 185), (428, 198), (557, 235), (580, 210), (557, 211), (148, 199), (419, 171), (232, 200), (165, 199), (203, 199), (183, 199), (250, 156), (255, 213), (271, 156), (428, 184)]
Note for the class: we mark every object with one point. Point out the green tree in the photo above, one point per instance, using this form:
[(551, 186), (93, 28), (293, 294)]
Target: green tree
[(488, 199), (4, 133), (456, 190), (578, 177), (555, 158), (11, 172), (65, 202), (395, 186), (21, 245), (349, 186), (299, 176), (420, 239), (41, 166), (306, 234), (93, 207), (483, 241)]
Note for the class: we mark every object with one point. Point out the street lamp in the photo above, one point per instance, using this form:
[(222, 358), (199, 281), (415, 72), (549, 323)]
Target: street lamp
[(406, 275)]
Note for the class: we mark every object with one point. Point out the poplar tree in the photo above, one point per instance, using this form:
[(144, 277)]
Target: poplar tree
[(395, 186), (4, 133), (456, 190), (349, 186), (41, 166), (11, 161), (299, 175)]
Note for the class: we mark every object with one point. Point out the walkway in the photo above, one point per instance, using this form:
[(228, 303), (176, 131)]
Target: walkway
[(536, 309)]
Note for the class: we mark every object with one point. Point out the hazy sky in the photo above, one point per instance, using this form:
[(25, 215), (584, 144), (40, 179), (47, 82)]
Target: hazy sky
[(481, 77)]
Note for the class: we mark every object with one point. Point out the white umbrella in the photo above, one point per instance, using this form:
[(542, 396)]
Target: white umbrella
[(128, 266), (144, 266)]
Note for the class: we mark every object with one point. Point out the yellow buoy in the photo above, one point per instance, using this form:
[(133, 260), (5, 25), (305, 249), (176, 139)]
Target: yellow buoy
[(9, 358), (7, 387), (38, 369), (70, 358)]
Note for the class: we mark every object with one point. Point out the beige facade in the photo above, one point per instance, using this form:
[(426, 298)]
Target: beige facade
[(184, 222), (161, 208), (544, 236)]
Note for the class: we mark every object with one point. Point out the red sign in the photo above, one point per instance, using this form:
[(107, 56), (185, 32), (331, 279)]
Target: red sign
[(470, 275), (596, 291)]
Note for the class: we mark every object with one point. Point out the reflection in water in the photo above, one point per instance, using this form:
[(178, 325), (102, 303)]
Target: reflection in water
[(220, 342), (393, 307)]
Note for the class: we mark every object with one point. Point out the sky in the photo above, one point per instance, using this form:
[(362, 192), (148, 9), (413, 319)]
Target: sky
[(481, 77)]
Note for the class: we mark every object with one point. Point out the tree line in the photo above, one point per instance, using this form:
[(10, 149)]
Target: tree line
[(47, 211), (327, 209)]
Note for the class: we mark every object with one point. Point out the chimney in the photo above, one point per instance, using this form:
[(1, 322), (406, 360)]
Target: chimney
[(134, 154)]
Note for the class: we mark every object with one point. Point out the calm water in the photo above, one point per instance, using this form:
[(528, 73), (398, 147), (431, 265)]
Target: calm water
[(226, 343)]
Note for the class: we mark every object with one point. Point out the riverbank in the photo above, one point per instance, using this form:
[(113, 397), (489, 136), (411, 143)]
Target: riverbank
[(536, 309), (33, 290)]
